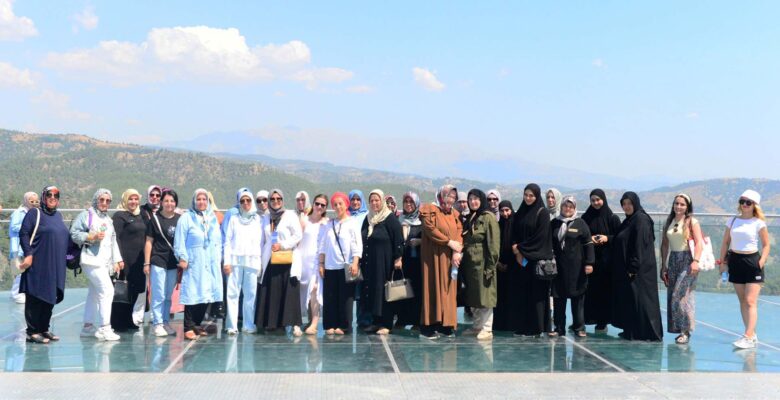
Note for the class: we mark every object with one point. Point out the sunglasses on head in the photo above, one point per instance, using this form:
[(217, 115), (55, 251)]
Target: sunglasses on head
[(745, 202), (317, 204), (675, 227)]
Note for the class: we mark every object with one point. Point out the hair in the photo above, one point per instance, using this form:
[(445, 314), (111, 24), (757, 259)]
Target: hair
[(686, 221), (319, 196), (757, 211), (169, 192)]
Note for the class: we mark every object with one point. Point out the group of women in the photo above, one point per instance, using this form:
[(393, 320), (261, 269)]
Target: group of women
[(271, 265)]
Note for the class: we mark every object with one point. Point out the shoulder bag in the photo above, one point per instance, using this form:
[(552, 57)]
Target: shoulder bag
[(281, 256), (398, 290), (346, 265)]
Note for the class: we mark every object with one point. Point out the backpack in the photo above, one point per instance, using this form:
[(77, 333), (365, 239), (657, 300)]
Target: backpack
[(73, 254)]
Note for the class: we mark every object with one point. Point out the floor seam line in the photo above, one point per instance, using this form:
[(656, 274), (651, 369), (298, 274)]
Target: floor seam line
[(594, 354), (707, 324), (59, 314), (396, 370)]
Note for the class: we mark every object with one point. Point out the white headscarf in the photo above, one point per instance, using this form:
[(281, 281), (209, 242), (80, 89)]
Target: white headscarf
[(375, 218), (566, 221)]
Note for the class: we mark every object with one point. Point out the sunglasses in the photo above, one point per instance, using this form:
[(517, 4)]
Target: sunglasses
[(52, 195), (323, 205), (262, 201), (675, 227), (246, 201), (492, 199), (744, 202), (276, 199), (154, 195)]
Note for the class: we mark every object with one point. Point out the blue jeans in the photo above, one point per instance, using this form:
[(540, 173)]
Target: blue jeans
[(163, 281)]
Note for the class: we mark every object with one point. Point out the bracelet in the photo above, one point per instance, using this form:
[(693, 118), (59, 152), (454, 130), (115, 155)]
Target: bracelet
[(695, 260), (149, 264)]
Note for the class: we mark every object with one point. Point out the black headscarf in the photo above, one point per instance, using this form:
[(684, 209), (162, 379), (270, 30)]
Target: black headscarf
[(474, 214), (505, 224), (598, 220), (531, 227), (639, 212), (45, 208)]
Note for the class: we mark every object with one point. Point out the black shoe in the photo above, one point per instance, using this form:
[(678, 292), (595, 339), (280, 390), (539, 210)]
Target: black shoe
[(371, 329), (624, 335), (447, 332)]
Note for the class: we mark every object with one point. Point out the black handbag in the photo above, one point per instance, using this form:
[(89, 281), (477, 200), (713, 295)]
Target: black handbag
[(121, 292), (546, 270)]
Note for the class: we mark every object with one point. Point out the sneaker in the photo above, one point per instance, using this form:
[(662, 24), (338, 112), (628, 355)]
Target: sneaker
[(159, 330), (88, 331), (746, 343), (107, 334), (232, 332), (429, 336), (169, 330), (296, 331), (249, 330), (484, 335)]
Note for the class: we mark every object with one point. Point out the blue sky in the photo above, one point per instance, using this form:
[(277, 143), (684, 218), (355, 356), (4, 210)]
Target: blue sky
[(661, 91)]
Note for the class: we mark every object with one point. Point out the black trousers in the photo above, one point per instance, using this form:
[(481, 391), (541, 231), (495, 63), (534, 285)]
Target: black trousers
[(193, 315), (37, 314), (338, 298), (577, 312)]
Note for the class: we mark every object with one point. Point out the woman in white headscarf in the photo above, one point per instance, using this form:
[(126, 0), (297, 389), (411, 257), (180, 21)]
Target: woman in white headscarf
[(553, 202), (16, 254), (493, 200), (131, 238)]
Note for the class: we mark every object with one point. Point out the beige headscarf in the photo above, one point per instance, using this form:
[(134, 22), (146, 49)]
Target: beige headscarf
[(377, 217), (126, 199)]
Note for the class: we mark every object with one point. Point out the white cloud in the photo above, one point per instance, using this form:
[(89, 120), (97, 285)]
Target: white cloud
[(59, 104), (13, 27), (598, 63), (427, 79), (13, 77), (198, 53), (360, 89), (86, 19), (692, 115)]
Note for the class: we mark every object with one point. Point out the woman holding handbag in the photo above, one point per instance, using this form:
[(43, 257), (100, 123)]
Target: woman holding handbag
[(160, 263), (382, 250), (339, 251), (481, 247), (93, 229), (679, 268), (278, 302)]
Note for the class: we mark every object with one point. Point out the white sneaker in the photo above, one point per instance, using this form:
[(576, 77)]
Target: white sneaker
[(746, 343), (19, 298), (297, 331), (232, 332), (169, 329), (249, 330), (484, 335), (138, 323), (159, 330), (88, 331), (107, 334)]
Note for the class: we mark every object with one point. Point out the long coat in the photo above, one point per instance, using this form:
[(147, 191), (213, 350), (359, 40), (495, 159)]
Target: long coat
[(572, 257), (45, 280), (201, 246), (439, 290), (482, 245)]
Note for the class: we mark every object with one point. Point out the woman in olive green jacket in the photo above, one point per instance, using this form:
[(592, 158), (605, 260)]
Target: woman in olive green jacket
[(481, 247)]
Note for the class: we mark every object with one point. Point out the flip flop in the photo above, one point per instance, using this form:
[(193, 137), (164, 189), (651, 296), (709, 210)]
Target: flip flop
[(37, 338)]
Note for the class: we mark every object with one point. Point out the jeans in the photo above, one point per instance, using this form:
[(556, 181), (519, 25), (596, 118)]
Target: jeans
[(162, 283), (241, 279), (100, 295)]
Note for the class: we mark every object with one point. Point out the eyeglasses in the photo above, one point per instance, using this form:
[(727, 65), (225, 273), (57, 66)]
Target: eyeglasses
[(35, 203), (276, 199), (154, 195), (258, 201), (104, 201), (492, 199), (246, 201), (744, 202), (323, 205)]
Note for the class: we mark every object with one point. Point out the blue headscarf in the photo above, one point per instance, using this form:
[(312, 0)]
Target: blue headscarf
[(363, 209), (209, 208)]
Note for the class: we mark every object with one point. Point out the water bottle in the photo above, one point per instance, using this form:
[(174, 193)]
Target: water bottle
[(274, 237), (525, 262), (454, 272), (724, 276)]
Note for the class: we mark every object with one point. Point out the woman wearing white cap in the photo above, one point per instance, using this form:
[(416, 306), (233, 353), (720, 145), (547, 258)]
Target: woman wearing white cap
[(745, 263)]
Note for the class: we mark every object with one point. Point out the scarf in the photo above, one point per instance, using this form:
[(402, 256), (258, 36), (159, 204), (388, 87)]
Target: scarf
[(362, 210), (443, 193), (412, 218), (495, 209), (95, 197), (262, 194), (275, 214), (468, 226), (26, 202), (148, 196), (506, 226), (377, 217), (246, 217), (306, 204), (566, 220), (45, 208), (599, 220), (126, 200), (556, 209)]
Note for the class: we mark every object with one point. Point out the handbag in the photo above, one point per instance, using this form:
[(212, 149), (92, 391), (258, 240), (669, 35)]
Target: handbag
[(121, 292), (707, 258), (348, 277), (546, 270), (281, 256), (398, 290)]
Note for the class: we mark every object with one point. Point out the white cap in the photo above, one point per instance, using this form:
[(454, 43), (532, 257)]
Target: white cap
[(752, 195)]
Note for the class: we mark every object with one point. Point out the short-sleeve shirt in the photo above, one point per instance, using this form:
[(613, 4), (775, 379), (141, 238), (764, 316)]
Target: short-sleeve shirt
[(744, 233), (162, 253)]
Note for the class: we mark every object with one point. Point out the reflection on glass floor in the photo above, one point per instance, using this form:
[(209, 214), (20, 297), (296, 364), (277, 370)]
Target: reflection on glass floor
[(710, 348)]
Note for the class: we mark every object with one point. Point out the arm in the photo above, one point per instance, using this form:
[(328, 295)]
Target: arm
[(764, 235), (588, 248), (430, 230), (724, 247), (79, 231), (396, 239), (180, 240), (227, 245), (642, 234), (148, 254), (664, 273), (493, 242), (698, 245), (25, 232)]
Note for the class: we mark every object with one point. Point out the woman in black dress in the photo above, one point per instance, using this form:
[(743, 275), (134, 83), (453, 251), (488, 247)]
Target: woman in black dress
[(131, 237), (382, 251), (634, 274), (411, 228), (505, 314)]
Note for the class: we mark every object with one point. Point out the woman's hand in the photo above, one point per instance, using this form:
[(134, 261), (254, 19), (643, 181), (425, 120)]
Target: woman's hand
[(226, 269), (322, 271), (276, 247), (415, 242), (26, 263), (353, 270), (183, 264), (519, 258), (147, 268), (694, 268), (117, 268), (761, 263), (457, 258), (665, 276), (398, 264), (455, 246), (588, 269), (721, 266), (121, 265)]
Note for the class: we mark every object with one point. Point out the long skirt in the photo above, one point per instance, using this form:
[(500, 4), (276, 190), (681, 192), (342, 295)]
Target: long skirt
[(278, 299), (680, 299)]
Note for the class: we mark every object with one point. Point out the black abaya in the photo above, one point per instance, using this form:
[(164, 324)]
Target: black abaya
[(380, 250), (598, 297)]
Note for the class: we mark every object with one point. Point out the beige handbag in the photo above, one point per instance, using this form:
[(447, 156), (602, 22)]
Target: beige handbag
[(398, 290)]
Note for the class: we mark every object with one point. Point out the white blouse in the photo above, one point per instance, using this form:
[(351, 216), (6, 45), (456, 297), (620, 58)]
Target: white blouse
[(349, 238), (745, 233), (243, 243)]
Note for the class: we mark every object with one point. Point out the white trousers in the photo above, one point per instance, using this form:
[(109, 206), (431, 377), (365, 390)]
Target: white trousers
[(100, 295), (241, 279), (139, 308), (483, 319)]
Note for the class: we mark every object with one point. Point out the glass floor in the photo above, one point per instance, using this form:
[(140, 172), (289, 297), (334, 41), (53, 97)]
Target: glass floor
[(710, 349)]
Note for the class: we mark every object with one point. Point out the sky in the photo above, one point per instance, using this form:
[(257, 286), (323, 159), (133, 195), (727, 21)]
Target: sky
[(660, 91)]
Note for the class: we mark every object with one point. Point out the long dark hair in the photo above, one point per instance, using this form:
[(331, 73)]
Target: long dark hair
[(688, 215), (322, 196)]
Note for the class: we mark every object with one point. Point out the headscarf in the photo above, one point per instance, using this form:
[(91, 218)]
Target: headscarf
[(638, 210), (375, 218), (474, 214), (148, 196), (412, 218), (306, 204), (276, 214), (496, 193), (245, 217), (390, 197), (26, 205), (262, 193), (506, 225), (362, 210), (598, 220), (443, 192), (126, 200), (342, 196), (566, 220), (209, 210), (100, 192), (532, 236), (462, 210), (44, 207), (556, 210)]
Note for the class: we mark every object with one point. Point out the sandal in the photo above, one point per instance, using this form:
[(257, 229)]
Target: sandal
[(581, 333), (683, 338), (330, 331), (200, 331), (37, 338), (191, 335), (311, 330), (338, 331), (552, 334), (52, 337)]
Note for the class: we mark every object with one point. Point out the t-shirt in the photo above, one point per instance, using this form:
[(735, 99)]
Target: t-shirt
[(744, 233), (162, 253)]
